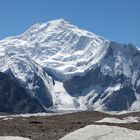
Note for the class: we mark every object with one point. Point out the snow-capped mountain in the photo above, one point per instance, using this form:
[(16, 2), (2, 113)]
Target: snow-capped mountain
[(63, 49), (67, 68)]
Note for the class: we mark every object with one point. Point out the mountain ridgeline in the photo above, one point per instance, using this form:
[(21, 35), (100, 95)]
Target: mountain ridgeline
[(57, 66)]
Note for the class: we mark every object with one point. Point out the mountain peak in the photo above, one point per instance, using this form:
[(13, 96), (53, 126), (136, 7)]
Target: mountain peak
[(60, 21), (50, 24), (60, 46), (56, 28)]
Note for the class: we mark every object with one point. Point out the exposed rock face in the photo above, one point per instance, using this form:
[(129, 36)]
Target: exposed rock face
[(15, 99), (112, 83)]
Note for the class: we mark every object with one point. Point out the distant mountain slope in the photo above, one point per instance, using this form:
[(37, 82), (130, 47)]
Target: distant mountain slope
[(67, 68)]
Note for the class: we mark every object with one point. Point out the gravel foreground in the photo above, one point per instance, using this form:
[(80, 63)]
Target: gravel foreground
[(57, 126)]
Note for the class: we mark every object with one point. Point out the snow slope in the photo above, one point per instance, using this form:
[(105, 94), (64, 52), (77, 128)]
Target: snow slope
[(102, 132), (61, 99), (62, 48), (12, 138), (31, 75)]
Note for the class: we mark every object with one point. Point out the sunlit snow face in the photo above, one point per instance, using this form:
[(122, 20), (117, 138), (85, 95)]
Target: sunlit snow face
[(59, 46)]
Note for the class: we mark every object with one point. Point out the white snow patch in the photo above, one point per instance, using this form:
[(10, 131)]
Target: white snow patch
[(61, 99), (136, 105), (112, 89), (129, 119), (12, 138), (111, 120), (61, 112), (5, 119), (132, 119), (102, 132)]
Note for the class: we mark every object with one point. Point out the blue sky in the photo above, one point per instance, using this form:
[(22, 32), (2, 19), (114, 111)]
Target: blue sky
[(117, 20)]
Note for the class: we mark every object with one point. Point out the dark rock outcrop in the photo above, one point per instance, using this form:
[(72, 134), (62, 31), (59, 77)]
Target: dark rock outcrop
[(15, 99)]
